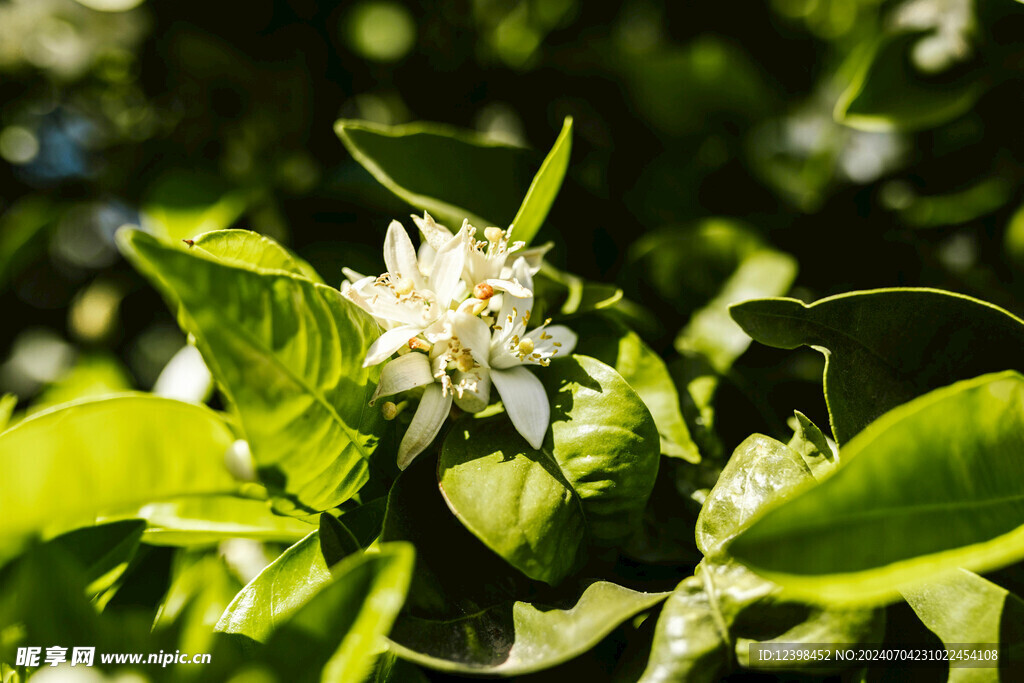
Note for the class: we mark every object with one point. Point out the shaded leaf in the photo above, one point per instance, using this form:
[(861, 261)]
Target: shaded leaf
[(711, 332), (103, 551), (887, 346), (888, 93), (338, 630), (451, 174), (513, 498), (515, 638), (288, 353), (930, 486)]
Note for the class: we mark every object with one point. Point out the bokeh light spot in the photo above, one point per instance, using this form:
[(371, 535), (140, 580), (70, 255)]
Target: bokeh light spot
[(381, 31), (18, 145)]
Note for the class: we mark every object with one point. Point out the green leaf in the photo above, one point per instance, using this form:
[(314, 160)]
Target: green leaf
[(812, 446), (964, 608), (87, 460), (709, 622), (616, 345), (515, 638), (601, 454), (513, 498), (210, 519), (545, 186), (604, 441), (338, 630), (568, 294), (711, 331), (103, 551), (455, 573), (930, 486), (181, 204), (262, 604), (22, 225), (761, 471), (8, 402), (454, 175), (288, 353), (887, 346), (201, 587), (888, 93), (251, 250), (92, 376)]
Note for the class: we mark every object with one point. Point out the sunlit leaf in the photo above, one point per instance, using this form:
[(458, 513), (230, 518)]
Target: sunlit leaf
[(251, 250), (616, 345), (964, 608), (288, 352), (928, 487), (545, 187), (87, 461)]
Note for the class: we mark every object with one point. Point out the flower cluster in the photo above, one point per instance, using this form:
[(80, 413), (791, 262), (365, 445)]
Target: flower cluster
[(456, 312)]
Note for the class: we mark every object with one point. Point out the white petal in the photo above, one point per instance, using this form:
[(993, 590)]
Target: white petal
[(474, 398), (403, 373), (388, 343), (425, 425), (521, 272), (435, 234), (525, 402), (560, 341), (400, 255), (353, 276), (510, 286), (535, 256), (425, 256), (447, 269), (474, 335)]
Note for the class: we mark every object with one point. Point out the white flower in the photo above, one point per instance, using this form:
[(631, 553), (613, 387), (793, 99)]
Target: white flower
[(408, 300), (501, 353), (428, 370)]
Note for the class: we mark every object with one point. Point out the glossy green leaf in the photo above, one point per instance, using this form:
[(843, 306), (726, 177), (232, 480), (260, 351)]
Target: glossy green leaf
[(288, 353), (711, 332), (251, 250), (709, 622), (616, 345), (338, 630), (887, 346), (601, 454), (86, 461), (965, 608), (761, 471), (604, 441), (513, 498), (568, 294), (516, 638), (544, 188), (930, 486), (453, 175), (181, 205), (284, 585), (210, 519), (888, 93), (813, 446)]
